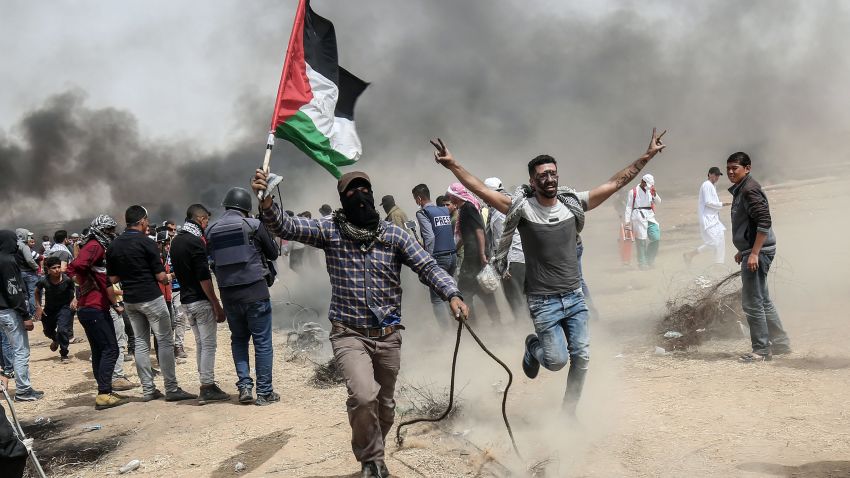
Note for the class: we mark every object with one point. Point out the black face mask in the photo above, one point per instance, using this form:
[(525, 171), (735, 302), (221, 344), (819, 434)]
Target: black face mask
[(365, 216)]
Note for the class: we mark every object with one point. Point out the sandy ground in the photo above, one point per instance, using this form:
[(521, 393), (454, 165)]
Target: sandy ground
[(696, 413)]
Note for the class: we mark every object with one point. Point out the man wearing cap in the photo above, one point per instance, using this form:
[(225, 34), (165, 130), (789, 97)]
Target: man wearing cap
[(640, 217), (134, 260), (710, 227), (240, 247), (515, 280), (364, 257)]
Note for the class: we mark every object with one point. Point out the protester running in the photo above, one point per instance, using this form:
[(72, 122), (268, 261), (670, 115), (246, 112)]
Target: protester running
[(549, 220), (708, 213), (364, 257)]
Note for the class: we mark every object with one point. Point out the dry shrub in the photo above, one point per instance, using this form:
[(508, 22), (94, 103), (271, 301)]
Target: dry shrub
[(327, 375), (705, 310), (421, 401)]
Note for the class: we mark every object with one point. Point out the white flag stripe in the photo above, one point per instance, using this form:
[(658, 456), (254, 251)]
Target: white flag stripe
[(339, 131)]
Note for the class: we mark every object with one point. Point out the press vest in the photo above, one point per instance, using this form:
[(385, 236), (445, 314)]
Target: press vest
[(441, 223), (230, 242)]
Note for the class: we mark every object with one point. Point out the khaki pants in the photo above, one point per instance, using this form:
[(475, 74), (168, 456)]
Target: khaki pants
[(370, 367)]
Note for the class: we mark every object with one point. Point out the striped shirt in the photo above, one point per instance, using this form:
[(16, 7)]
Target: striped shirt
[(365, 286)]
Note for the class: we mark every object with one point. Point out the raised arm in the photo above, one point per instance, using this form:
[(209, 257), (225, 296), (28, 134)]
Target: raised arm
[(493, 198), (278, 223), (599, 194)]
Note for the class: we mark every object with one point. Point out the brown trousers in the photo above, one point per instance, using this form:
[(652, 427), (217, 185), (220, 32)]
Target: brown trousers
[(370, 368)]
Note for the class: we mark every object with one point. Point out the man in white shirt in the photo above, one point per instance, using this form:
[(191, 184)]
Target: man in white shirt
[(710, 227), (640, 217)]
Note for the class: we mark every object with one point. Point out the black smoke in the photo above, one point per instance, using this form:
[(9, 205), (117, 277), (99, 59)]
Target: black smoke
[(501, 81)]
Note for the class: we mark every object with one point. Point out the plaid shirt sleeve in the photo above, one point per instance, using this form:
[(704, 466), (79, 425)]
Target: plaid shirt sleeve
[(424, 265), (299, 229)]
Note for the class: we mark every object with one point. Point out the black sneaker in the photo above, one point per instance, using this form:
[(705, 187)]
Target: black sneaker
[(179, 395), (245, 396), (267, 399), (30, 396), (530, 365), (156, 395), (211, 393)]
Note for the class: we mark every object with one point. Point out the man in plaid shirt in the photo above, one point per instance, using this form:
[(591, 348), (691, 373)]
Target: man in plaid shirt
[(364, 257)]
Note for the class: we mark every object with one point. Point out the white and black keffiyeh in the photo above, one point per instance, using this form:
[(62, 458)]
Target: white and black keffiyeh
[(366, 237), (98, 227), (192, 229), (568, 198)]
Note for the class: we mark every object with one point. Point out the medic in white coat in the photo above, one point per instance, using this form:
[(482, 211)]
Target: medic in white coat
[(640, 215)]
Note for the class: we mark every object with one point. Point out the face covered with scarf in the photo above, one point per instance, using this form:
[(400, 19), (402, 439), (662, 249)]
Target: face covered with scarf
[(102, 229), (358, 203)]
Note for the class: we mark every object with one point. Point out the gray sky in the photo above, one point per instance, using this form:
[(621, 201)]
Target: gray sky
[(167, 102)]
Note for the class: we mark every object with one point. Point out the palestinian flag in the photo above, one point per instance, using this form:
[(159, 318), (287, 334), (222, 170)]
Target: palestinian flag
[(315, 99)]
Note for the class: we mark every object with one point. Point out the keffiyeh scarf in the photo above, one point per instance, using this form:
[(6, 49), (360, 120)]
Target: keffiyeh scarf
[(568, 198), (366, 237), (192, 229)]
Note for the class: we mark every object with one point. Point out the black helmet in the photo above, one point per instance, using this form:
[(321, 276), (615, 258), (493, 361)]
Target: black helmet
[(238, 198)]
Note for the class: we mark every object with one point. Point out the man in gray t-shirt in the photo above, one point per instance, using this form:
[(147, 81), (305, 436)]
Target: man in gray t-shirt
[(548, 221)]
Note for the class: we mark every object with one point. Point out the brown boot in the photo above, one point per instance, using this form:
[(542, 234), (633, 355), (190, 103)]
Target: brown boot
[(123, 384)]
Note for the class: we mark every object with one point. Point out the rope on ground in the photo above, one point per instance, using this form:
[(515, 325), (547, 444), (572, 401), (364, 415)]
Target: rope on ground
[(460, 326)]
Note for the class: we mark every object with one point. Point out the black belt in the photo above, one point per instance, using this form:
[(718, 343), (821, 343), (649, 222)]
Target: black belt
[(642, 208), (444, 253)]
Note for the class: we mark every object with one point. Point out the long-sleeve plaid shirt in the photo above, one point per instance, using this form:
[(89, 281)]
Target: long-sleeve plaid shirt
[(365, 286)]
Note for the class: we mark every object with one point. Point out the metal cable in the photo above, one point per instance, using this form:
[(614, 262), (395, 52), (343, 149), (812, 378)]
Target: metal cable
[(461, 324)]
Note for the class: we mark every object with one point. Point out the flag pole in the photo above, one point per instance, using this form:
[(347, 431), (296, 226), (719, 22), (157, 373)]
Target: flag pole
[(299, 11)]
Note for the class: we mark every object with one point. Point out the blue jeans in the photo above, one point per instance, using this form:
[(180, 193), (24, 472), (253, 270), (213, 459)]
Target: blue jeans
[(584, 288), (7, 355), (562, 336), (448, 263), (251, 322), (30, 280), (12, 325), (765, 326)]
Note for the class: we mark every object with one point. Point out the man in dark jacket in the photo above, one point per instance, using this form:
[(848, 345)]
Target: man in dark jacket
[(15, 319), (240, 247), (752, 234), (134, 260), (189, 259)]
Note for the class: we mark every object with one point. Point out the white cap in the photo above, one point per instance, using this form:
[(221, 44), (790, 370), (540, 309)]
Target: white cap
[(494, 184), (649, 179)]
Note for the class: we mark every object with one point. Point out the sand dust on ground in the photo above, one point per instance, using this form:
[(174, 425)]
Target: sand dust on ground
[(692, 413)]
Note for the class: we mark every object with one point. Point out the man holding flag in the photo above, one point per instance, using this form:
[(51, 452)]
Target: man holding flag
[(315, 111), (364, 257)]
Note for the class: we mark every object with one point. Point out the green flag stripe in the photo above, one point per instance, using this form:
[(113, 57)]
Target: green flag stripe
[(300, 130)]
